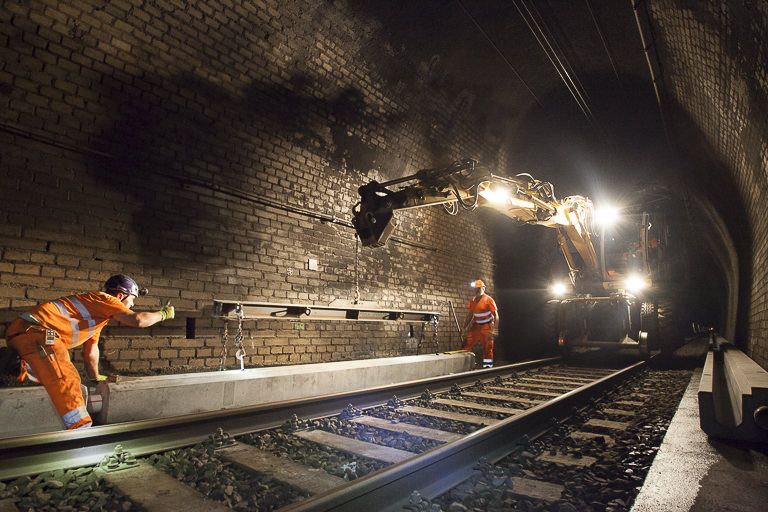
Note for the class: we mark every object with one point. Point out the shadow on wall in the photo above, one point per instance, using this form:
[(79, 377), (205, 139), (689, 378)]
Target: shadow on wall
[(158, 139)]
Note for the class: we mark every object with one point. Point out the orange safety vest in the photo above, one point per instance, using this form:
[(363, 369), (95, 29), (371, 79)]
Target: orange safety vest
[(482, 309), (76, 318)]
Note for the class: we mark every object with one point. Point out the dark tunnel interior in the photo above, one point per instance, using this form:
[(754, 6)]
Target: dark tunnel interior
[(216, 150)]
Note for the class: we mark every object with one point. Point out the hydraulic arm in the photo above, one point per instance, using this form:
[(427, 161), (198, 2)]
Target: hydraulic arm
[(466, 185)]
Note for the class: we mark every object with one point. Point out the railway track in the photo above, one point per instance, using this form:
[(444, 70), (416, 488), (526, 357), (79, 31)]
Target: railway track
[(370, 456)]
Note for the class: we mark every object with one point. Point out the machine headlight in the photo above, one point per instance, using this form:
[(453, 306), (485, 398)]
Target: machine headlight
[(634, 283), (606, 216), (496, 195), (558, 289)]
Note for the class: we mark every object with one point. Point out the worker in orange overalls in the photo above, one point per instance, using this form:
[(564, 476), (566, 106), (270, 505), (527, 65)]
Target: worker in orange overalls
[(482, 319), (43, 336)]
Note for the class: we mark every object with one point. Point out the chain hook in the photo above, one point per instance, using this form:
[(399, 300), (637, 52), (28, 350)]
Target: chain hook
[(224, 341), (240, 354), (357, 270)]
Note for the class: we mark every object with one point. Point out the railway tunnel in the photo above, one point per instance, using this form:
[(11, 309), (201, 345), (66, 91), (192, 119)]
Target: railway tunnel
[(214, 151)]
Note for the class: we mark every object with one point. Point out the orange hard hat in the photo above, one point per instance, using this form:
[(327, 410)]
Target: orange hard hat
[(477, 284)]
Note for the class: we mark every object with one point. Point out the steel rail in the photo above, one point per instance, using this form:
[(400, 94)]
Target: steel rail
[(441, 468), (34, 454)]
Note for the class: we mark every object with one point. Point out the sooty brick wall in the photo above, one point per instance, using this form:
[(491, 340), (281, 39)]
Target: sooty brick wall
[(715, 61), (209, 149)]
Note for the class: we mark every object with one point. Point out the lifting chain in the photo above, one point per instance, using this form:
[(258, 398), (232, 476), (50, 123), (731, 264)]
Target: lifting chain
[(434, 322), (224, 341), (422, 337), (357, 270), (240, 354)]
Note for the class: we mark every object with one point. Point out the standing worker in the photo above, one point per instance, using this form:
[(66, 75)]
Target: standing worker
[(43, 337), (482, 319)]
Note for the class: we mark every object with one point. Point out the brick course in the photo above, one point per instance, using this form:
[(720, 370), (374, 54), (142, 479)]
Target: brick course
[(199, 146)]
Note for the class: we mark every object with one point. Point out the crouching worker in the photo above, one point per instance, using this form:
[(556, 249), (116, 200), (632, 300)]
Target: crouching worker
[(44, 335), (482, 319)]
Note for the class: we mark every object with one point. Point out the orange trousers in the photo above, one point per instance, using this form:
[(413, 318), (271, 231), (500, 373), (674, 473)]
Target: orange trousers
[(51, 366), (482, 334)]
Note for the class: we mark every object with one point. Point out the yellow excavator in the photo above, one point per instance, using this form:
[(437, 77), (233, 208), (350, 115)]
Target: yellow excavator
[(603, 307)]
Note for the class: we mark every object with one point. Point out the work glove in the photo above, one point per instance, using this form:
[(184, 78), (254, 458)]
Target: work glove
[(98, 378), (168, 312)]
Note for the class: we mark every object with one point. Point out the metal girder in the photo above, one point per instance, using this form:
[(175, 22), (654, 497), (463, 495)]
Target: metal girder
[(251, 310)]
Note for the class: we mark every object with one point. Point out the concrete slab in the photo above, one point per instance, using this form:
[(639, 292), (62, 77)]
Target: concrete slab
[(567, 460), (536, 489), (500, 397), (619, 412), (610, 425), (633, 403), (477, 406), (448, 415), (309, 480), (588, 436), (157, 491), (355, 446), (415, 430), (692, 473), (504, 389), (539, 385), (27, 410), (559, 378), (130, 399)]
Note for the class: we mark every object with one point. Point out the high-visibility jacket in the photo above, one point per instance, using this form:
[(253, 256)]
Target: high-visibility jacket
[(481, 330), (482, 309), (43, 337), (76, 318)]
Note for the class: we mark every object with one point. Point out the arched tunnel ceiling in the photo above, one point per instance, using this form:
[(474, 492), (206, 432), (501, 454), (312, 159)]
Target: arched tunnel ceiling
[(612, 147)]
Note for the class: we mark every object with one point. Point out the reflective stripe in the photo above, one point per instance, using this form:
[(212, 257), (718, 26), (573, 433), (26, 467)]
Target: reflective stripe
[(74, 416), (85, 314), (30, 372), (72, 321), (483, 317), (28, 317)]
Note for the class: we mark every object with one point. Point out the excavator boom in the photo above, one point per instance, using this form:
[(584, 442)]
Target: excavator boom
[(600, 313), (466, 185)]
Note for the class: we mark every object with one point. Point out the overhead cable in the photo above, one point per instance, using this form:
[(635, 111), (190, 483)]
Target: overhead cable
[(554, 59), (605, 43), (501, 54), (560, 54)]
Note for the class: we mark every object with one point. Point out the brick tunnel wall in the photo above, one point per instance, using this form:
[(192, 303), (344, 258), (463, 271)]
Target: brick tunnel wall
[(209, 149), (715, 66)]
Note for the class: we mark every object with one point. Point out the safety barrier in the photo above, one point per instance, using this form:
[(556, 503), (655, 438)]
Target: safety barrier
[(733, 394)]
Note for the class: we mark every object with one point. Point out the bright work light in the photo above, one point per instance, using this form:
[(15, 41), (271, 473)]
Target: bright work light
[(607, 216), (558, 289), (634, 283), (497, 195)]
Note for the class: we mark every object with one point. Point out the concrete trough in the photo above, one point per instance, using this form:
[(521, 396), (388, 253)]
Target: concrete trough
[(27, 410)]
